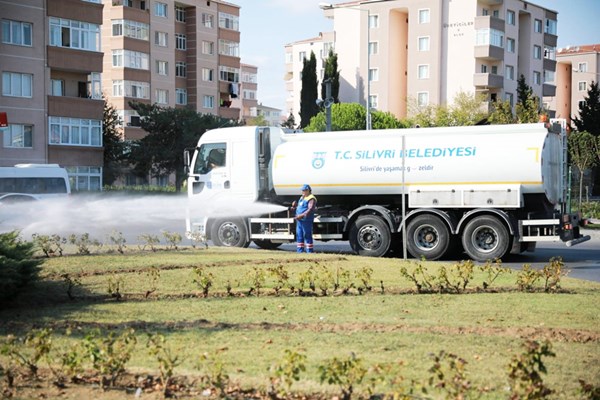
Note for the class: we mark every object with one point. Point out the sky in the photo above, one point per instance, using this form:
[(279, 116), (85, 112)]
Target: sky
[(266, 26)]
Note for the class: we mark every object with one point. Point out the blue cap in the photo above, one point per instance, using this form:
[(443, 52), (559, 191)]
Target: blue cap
[(306, 187)]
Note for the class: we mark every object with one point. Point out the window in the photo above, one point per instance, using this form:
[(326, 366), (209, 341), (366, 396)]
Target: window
[(180, 96), (537, 25), (229, 48), (180, 69), (510, 45), (15, 84), (496, 13), (57, 87), (549, 52), (162, 96), (423, 98), (549, 76), (509, 72), (229, 74), (94, 85), (208, 47), (207, 74), (582, 67), (162, 67), (160, 9), (16, 32), (117, 58), (249, 94), (179, 14), (550, 27), (208, 20), (249, 77), (424, 16), (289, 58), (484, 69), (510, 17), (495, 69), (485, 37), (132, 29), (208, 101), (136, 59), (537, 78), (301, 56), (180, 41), (510, 97), (485, 12), (374, 74), (139, 90), (423, 71), (423, 43), (75, 131), (373, 48), (373, 21), (18, 136), (537, 52), (229, 21), (373, 101), (85, 179), (74, 34), (582, 86), (161, 39)]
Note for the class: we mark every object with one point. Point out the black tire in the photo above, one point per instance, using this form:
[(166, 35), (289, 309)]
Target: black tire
[(370, 236), (267, 244), (427, 236), (485, 238), (229, 233)]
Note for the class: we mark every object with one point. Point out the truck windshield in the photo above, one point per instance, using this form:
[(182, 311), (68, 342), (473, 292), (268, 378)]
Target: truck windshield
[(210, 156)]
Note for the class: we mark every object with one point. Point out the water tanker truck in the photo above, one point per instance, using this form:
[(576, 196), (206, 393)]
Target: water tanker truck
[(485, 190)]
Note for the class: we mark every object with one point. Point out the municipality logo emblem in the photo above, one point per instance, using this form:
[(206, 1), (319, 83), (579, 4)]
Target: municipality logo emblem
[(318, 159)]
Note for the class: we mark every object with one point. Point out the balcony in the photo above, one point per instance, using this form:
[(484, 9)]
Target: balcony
[(229, 112), (488, 80), (67, 59), (491, 2), (489, 52), (489, 22), (549, 65), (548, 90), (75, 107), (76, 10)]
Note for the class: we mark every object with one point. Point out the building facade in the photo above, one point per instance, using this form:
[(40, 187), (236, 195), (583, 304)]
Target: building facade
[(401, 55), (577, 67), (248, 99), (181, 53), (51, 90)]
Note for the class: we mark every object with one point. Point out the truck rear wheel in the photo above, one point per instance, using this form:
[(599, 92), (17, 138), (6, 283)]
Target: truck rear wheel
[(485, 238), (370, 236), (229, 233), (427, 236)]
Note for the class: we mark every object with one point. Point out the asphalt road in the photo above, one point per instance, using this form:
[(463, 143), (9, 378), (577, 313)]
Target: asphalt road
[(582, 260)]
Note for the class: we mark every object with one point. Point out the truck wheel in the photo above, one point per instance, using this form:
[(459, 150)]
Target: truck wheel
[(229, 233), (427, 236), (485, 238), (370, 236), (267, 244)]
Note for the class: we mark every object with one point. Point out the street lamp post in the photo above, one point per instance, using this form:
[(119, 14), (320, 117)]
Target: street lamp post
[(329, 6)]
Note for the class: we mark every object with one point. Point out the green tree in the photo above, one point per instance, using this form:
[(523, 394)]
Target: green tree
[(589, 112), (528, 108), (583, 156), (290, 122), (467, 109), (352, 116), (259, 120), (114, 145), (17, 265), (170, 131), (332, 73), (308, 93), (524, 91), (501, 113)]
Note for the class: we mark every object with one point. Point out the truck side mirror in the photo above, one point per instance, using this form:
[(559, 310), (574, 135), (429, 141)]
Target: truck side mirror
[(186, 161)]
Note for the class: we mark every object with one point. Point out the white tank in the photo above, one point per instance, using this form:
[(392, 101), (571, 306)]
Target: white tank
[(526, 156)]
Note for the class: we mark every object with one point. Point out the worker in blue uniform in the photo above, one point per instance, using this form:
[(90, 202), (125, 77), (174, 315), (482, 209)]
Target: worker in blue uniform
[(305, 215)]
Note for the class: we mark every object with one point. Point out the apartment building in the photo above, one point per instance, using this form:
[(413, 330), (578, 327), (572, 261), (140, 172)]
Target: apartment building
[(577, 67), (181, 53), (248, 99), (400, 55), (51, 66)]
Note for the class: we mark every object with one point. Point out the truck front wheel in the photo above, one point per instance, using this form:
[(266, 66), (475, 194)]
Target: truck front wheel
[(485, 238), (229, 233), (370, 236), (427, 236)]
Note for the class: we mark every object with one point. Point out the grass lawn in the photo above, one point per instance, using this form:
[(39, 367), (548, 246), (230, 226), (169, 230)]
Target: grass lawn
[(243, 323)]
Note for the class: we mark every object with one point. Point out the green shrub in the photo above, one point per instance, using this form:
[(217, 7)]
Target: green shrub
[(17, 265)]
